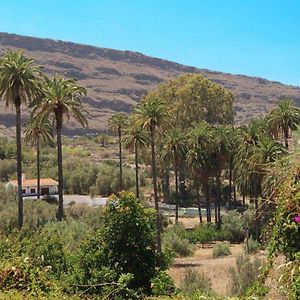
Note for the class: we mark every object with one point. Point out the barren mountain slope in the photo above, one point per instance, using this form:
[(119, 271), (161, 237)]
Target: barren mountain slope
[(117, 79)]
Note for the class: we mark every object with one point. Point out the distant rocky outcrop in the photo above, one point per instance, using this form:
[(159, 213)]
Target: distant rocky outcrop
[(116, 80)]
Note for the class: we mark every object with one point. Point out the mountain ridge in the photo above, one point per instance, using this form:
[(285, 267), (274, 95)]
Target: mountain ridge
[(117, 79)]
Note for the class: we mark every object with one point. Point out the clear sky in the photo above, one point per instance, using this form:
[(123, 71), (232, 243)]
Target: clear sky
[(251, 37)]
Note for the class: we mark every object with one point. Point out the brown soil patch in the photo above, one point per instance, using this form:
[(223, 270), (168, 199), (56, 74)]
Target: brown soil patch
[(214, 268)]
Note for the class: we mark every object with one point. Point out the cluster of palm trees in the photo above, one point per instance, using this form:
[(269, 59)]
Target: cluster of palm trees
[(207, 153), (51, 101)]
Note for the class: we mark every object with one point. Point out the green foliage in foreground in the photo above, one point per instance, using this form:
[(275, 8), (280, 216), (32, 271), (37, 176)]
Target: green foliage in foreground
[(70, 258)]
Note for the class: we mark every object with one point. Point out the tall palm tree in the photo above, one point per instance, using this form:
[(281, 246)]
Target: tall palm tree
[(284, 118), (152, 113), (174, 144), (199, 148), (38, 129), (116, 123), (135, 137), (61, 98), (18, 85), (218, 157)]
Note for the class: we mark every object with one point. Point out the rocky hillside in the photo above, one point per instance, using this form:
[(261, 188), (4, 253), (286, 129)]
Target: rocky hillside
[(116, 80)]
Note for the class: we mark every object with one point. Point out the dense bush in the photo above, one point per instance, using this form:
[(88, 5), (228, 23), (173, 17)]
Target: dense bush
[(204, 233), (221, 249), (193, 282), (233, 226), (8, 168), (107, 181), (179, 246), (125, 244), (162, 284)]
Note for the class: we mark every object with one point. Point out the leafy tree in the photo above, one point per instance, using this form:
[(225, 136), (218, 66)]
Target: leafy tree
[(135, 137), (284, 118), (117, 122), (193, 98), (152, 113), (124, 245), (18, 85), (38, 129), (61, 98)]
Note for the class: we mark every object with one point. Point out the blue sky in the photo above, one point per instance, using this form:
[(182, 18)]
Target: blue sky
[(251, 37)]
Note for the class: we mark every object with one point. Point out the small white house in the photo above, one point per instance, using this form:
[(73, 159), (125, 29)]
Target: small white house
[(48, 186)]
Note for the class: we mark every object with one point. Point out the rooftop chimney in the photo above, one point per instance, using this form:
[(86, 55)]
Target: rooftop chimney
[(23, 177)]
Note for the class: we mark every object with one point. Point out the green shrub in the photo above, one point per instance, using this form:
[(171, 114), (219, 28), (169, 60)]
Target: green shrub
[(91, 216), (193, 282), (8, 167), (162, 284), (107, 181), (221, 249), (203, 233), (233, 227), (252, 247), (123, 245), (178, 245), (244, 275)]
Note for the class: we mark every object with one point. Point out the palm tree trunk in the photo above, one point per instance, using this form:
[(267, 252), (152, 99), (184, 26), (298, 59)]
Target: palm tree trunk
[(166, 183), (19, 162), (230, 182), (234, 196), (199, 202), (286, 137), (176, 186), (38, 167), (207, 200), (60, 212), (255, 192), (136, 169), (154, 180), (218, 182), (120, 160)]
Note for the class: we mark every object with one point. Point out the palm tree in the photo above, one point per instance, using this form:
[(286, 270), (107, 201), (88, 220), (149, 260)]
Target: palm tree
[(152, 113), (61, 98), (134, 138), (18, 85), (38, 129), (174, 144), (284, 118), (199, 147), (218, 158), (117, 122)]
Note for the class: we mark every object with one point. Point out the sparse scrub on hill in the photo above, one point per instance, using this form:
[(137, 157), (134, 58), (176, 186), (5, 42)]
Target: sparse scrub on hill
[(244, 275)]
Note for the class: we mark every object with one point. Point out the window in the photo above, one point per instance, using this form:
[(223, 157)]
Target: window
[(23, 191), (32, 191)]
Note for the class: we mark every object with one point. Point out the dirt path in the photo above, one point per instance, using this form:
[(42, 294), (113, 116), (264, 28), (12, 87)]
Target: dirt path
[(214, 268)]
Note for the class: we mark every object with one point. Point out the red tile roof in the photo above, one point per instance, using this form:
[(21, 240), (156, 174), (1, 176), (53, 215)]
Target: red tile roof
[(33, 182)]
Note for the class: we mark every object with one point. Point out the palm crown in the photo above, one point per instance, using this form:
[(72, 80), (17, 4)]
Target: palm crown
[(18, 79)]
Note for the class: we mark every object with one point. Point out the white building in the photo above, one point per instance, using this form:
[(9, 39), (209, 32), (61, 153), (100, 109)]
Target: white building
[(48, 186)]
